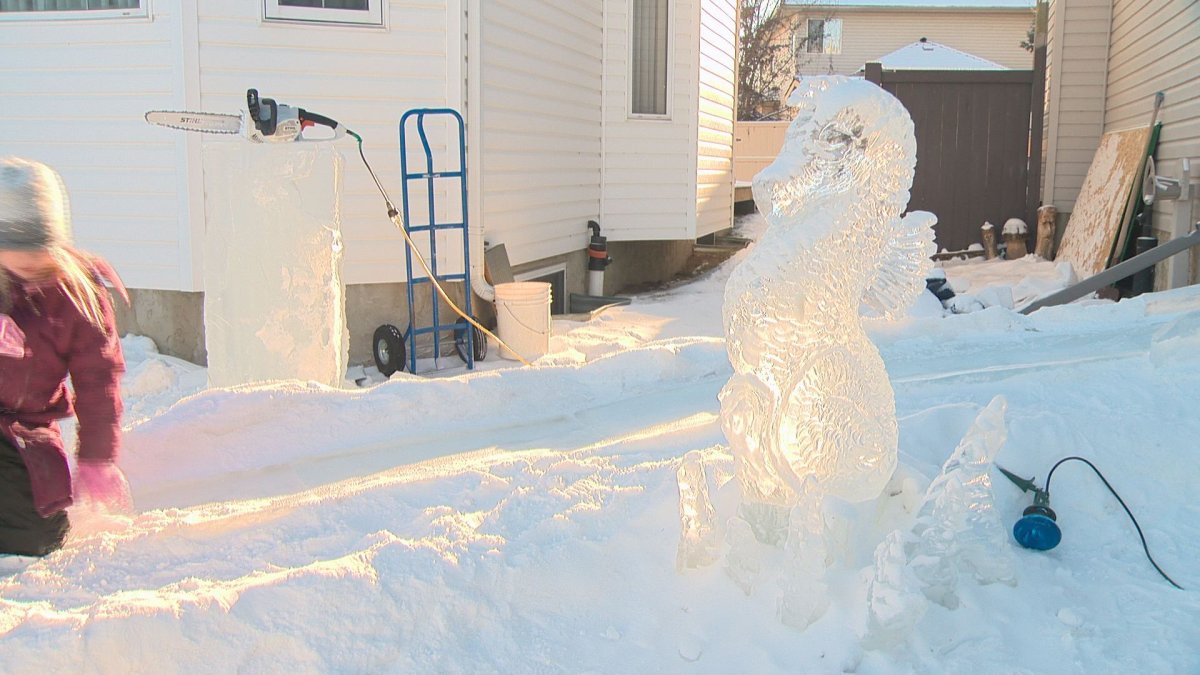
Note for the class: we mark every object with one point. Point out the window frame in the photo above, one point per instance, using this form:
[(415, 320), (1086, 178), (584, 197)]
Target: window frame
[(141, 12), (273, 12), (667, 62)]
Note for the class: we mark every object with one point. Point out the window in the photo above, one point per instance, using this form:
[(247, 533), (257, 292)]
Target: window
[(70, 9), (359, 12), (824, 36), (648, 32)]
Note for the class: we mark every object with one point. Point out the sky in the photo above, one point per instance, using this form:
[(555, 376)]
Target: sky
[(527, 519)]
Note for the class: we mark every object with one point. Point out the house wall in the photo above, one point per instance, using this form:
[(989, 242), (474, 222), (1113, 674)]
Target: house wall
[(1076, 75), (74, 93), (364, 77), (650, 163), (714, 182), (1155, 46), (869, 33), (541, 105), (540, 124), (1105, 61)]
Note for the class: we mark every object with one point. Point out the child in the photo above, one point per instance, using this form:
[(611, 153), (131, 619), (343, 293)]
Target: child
[(56, 320)]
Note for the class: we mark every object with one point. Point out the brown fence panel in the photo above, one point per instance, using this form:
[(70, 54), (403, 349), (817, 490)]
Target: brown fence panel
[(973, 147)]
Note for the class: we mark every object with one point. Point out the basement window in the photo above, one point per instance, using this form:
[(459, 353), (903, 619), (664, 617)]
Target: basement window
[(556, 276), (44, 10), (349, 12)]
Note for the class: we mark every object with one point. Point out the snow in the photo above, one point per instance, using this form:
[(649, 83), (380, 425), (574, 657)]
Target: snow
[(1015, 226), (926, 54), (526, 519)]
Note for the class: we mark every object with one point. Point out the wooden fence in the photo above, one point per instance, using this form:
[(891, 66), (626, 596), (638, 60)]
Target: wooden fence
[(979, 136)]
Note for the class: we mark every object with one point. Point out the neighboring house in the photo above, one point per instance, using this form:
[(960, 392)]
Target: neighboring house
[(619, 111), (840, 37), (1105, 61)]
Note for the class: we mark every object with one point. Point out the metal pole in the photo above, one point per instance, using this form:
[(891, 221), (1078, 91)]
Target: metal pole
[(1117, 272)]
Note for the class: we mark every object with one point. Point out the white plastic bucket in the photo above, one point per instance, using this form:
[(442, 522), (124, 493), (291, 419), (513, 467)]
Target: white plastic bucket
[(523, 318)]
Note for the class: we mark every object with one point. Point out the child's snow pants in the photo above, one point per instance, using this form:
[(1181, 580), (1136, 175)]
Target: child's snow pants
[(22, 530)]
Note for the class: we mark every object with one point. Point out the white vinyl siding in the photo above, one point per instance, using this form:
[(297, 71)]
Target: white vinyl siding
[(363, 77), (551, 138), (867, 34), (1155, 46), (650, 164), (540, 124), (714, 181), (1075, 78), (74, 96)]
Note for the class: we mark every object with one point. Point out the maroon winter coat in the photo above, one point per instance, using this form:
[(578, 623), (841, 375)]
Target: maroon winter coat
[(59, 341)]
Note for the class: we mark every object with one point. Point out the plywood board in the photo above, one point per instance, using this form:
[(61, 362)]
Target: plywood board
[(1096, 218)]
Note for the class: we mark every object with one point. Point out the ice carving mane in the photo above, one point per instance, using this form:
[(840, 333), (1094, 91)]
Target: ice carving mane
[(809, 395)]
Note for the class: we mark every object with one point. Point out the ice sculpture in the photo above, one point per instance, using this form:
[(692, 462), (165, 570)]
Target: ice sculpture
[(957, 531), (895, 603), (809, 394), (274, 301), (805, 594), (698, 543), (742, 561), (958, 528)]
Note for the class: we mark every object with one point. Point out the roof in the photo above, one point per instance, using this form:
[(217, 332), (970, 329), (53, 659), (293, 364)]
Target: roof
[(929, 55), (920, 4)]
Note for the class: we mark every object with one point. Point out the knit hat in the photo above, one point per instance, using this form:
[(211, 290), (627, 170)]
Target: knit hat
[(34, 211)]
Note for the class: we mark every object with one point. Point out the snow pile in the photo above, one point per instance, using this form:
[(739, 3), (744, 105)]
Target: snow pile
[(527, 519)]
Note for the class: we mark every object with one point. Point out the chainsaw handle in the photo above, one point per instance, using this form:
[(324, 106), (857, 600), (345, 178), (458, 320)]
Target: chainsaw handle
[(308, 118)]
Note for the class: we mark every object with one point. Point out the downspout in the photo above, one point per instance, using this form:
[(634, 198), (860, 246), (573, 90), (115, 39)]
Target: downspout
[(479, 284)]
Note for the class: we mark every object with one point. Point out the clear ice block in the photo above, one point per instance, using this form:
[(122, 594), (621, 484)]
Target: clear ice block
[(274, 295), (699, 545)]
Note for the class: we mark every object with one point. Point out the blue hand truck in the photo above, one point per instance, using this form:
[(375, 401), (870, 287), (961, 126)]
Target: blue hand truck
[(391, 346)]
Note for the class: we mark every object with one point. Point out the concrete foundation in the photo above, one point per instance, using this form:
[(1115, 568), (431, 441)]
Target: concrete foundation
[(644, 262), (175, 319)]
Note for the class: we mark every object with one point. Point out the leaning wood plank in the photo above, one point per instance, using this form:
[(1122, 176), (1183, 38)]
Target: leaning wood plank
[(1096, 218), (1132, 203)]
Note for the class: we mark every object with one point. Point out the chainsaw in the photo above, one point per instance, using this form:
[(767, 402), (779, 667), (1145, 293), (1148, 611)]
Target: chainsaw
[(269, 121)]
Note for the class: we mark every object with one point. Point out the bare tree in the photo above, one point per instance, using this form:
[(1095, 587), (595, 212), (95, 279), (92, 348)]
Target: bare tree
[(767, 44), (772, 49)]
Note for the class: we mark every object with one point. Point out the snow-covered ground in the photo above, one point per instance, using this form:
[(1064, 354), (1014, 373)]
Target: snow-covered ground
[(525, 520)]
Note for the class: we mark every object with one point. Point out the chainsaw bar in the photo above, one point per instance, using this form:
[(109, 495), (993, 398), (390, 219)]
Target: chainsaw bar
[(209, 123)]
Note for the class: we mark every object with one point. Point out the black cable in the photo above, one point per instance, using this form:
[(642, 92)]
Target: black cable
[(1127, 511)]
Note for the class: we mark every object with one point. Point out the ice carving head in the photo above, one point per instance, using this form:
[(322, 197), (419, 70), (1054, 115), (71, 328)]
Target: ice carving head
[(849, 138)]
